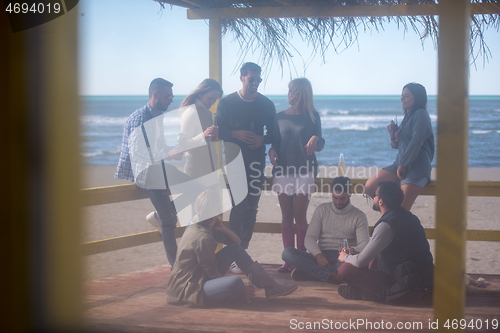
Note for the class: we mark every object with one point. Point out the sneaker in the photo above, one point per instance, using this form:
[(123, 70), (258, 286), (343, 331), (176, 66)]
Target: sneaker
[(334, 278), (299, 275), (349, 292), (235, 269), (155, 221)]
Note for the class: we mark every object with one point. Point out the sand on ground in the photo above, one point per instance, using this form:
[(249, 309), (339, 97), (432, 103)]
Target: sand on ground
[(114, 220)]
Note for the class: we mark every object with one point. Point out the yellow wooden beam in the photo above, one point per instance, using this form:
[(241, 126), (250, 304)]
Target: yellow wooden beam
[(452, 168), (123, 242), (215, 72), (40, 248), (16, 244), (143, 238), (128, 192), (215, 51), (329, 11), (56, 53), (112, 194)]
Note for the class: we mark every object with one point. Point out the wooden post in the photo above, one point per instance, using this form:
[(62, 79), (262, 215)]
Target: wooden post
[(59, 99), (215, 54), (215, 72), (41, 271), (452, 163), (15, 240)]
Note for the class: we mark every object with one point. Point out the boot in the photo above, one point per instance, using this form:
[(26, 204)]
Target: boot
[(259, 277), (288, 241), (301, 236)]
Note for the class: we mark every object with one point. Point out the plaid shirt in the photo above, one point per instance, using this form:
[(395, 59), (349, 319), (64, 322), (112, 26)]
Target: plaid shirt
[(136, 119)]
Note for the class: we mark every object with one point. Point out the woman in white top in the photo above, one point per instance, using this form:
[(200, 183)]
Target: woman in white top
[(198, 130)]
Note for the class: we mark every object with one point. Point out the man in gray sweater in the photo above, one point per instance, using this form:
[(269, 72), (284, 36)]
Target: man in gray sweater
[(332, 222)]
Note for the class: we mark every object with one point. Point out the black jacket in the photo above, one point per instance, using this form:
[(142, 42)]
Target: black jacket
[(406, 265)]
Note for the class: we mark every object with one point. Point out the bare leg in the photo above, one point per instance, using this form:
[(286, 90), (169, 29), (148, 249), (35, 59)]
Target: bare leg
[(286, 205), (411, 192), (382, 175), (287, 233), (300, 212)]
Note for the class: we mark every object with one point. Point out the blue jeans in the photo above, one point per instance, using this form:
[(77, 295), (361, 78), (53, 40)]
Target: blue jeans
[(168, 216), (228, 288), (306, 262), (222, 290), (243, 215), (166, 208)]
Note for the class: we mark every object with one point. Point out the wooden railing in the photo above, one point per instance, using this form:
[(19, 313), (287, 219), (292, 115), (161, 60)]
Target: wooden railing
[(129, 192)]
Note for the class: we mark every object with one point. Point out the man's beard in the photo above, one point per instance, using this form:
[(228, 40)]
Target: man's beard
[(376, 207), (344, 206)]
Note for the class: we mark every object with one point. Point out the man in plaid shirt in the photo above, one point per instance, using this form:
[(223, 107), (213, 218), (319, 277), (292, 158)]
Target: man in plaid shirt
[(160, 97)]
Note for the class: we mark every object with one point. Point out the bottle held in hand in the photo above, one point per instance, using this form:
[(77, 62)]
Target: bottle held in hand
[(394, 132), (346, 246), (215, 122), (179, 142)]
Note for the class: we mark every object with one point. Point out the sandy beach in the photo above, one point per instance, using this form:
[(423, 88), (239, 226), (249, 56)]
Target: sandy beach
[(113, 220)]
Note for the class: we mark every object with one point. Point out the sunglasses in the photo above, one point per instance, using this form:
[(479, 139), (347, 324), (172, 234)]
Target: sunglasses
[(252, 80), (374, 195)]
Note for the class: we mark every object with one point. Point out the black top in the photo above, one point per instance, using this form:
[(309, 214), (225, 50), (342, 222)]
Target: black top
[(409, 241), (234, 113), (291, 135)]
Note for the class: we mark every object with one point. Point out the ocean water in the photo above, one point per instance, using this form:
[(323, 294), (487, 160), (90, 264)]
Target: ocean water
[(352, 125)]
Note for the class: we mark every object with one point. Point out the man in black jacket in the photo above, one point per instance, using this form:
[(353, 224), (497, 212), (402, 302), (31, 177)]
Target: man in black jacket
[(396, 265)]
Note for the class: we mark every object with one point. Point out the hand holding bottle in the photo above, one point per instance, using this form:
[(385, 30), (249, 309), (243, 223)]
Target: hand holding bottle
[(345, 247), (393, 129)]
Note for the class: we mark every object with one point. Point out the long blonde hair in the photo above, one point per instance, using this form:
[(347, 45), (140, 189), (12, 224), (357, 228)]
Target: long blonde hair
[(304, 95), (205, 86)]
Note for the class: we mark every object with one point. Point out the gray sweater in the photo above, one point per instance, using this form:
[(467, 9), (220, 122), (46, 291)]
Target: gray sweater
[(329, 226), (415, 146), (381, 238)]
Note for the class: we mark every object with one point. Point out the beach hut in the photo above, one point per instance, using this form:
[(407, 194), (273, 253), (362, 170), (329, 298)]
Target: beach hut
[(41, 164), (266, 24)]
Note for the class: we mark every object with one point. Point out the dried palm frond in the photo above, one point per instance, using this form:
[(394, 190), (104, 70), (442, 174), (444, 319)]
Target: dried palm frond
[(271, 38)]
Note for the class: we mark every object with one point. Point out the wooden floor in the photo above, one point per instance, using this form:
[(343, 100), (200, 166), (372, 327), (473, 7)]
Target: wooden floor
[(135, 302)]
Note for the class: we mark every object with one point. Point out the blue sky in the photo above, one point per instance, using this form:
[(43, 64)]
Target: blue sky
[(124, 44)]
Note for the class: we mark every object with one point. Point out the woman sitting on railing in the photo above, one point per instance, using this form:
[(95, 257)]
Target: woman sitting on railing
[(197, 277), (414, 140)]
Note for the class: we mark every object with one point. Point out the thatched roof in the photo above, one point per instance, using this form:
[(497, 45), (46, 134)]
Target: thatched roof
[(271, 36)]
